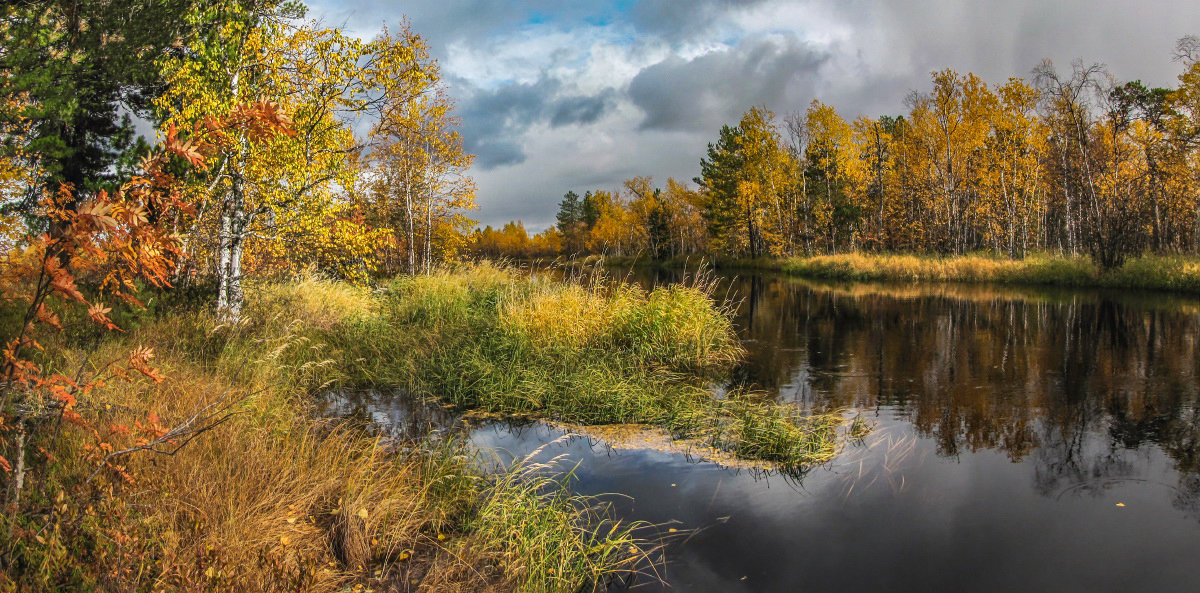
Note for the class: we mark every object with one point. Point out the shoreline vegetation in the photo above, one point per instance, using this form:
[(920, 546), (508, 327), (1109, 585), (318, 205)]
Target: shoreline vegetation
[(1168, 273), (275, 497)]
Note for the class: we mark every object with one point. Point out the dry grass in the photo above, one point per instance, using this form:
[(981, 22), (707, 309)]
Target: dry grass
[(275, 499), (1150, 272)]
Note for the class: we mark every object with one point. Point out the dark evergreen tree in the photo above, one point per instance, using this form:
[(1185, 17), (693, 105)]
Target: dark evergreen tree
[(719, 174), (81, 71)]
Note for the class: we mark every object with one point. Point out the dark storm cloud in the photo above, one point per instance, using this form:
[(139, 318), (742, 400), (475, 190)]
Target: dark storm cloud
[(494, 120), (675, 20), (997, 40), (581, 109), (717, 87)]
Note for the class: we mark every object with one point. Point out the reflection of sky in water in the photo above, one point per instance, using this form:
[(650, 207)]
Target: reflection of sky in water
[(1010, 425)]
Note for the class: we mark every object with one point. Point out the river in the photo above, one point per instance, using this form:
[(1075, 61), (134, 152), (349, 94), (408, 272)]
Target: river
[(1025, 440)]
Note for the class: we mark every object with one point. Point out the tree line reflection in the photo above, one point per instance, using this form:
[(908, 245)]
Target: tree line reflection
[(1079, 383)]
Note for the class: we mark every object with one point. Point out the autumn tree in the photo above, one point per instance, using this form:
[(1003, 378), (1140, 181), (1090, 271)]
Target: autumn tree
[(261, 190), (420, 187), (950, 126), (831, 168), (1012, 173), (875, 140), (746, 178), (615, 231)]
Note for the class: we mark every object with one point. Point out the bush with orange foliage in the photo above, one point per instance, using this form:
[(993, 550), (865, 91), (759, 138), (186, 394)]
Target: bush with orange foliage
[(103, 247)]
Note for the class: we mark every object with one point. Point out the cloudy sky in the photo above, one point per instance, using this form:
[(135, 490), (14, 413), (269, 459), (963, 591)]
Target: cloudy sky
[(559, 95)]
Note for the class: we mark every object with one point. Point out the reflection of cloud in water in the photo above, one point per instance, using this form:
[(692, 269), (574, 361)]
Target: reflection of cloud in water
[(1009, 425)]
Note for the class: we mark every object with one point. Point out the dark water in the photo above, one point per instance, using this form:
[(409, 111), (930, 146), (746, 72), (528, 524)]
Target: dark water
[(1011, 426)]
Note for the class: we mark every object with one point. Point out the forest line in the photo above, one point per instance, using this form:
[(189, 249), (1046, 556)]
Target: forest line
[(1075, 163)]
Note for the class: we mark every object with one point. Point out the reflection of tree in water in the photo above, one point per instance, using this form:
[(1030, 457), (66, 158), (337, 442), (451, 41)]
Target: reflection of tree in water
[(1075, 381), (980, 368)]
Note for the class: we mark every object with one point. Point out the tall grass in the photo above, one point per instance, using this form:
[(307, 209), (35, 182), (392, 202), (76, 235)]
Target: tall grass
[(1148, 272), (545, 539), (276, 499), (588, 352)]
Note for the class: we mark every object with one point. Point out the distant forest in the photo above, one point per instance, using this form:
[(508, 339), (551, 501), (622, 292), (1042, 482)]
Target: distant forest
[(1076, 162)]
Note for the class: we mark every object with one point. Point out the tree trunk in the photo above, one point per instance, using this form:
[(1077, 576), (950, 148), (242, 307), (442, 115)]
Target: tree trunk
[(231, 241)]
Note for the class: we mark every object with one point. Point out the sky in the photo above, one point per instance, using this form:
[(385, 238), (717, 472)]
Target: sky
[(558, 95)]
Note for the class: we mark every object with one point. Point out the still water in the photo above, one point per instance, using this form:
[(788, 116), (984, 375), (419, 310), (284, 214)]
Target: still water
[(1026, 440)]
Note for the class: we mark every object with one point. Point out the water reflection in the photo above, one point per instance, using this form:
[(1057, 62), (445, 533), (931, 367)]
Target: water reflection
[(1010, 425), (982, 367)]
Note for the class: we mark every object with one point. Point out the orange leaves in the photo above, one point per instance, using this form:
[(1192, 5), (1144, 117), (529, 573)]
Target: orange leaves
[(48, 317), (152, 428), (96, 215), (188, 150), (260, 120), (63, 284), (138, 361), (99, 313)]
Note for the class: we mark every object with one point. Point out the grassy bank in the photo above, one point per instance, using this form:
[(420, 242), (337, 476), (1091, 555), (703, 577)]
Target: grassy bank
[(1151, 272), (275, 498), (585, 352)]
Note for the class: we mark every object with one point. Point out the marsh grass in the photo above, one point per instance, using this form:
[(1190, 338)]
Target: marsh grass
[(1148, 272), (1177, 273), (277, 499), (586, 350), (545, 539)]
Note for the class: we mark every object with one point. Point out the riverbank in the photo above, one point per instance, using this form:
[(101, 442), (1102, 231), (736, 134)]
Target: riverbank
[(274, 498), (587, 351), (1151, 272)]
